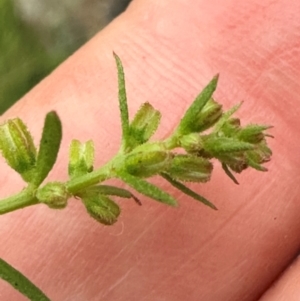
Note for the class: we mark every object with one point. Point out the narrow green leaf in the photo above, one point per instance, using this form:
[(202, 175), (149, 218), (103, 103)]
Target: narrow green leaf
[(81, 158), (49, 146), (122, 99), (186, 124), (219, 145), (147, 189), (255, 165), (20, 282), (229, 173), (111, 190), (116, 191), (144, 124), (188, 191)]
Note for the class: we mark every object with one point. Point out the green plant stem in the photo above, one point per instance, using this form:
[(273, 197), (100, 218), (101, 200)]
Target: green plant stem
[(27, 196), (108, 170), (101, 174), (21, 200)]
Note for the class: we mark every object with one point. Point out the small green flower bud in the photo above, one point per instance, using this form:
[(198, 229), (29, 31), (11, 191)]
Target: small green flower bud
[(208, 116), (216, 146), (17, 147), (252, 133), (190, 168), (260, 155), (147, 164), (229, 151), (53, 194), (81, 158), (145, 123), (231, 127), (101, 207), (234, 122), (236, 161), (191, 142), (192, 121)]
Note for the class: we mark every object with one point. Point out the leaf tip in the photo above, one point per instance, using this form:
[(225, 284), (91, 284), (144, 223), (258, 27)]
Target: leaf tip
[(216, 77), (212, 206)]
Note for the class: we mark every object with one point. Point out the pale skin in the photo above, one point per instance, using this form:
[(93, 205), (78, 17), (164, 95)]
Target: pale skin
[(170, 50)]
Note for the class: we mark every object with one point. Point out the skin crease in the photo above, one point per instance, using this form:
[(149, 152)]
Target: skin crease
[(287, 287), (170, 50)]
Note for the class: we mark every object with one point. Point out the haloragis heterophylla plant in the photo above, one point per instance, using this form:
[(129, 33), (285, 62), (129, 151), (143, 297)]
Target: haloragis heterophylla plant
[(205, 133)]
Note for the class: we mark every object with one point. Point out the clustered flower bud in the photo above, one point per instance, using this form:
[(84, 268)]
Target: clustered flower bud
[(208, 116), (17, 147), (191, 143), (54, 195), (147, 164), (189, 168), (144, 124), (238, 147), (101, 207), (81, 158)]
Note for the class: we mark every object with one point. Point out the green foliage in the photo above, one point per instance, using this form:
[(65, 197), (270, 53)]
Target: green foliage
[(20, 282), (147, 189), (49, 147), (114, 191), (236, 147), (186, 156), (188, 191), (229, 173), (111, 190), (17, 147), (123, 103), (190, 121)]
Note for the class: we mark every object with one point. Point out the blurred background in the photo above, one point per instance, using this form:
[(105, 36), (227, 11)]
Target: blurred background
[(37, 35)]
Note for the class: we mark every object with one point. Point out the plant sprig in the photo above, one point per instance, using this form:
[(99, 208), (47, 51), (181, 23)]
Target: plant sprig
[(204, 133)]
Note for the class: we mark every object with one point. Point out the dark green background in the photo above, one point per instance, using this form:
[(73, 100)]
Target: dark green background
[(31, 47)]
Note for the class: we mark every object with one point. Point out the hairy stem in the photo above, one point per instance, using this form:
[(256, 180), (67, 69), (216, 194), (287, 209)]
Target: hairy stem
[(99, 175), (27, 196), (21, 200)]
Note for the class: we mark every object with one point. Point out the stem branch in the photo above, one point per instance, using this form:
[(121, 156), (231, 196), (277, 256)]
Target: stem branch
[(21, 200)]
